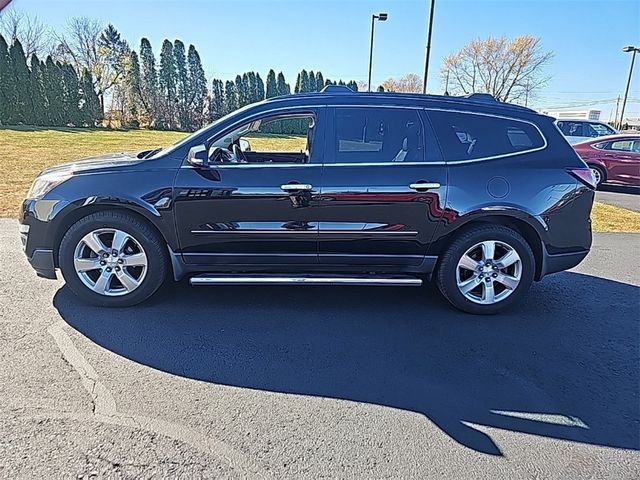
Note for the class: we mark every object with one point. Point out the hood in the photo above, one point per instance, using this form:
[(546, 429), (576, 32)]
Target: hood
[(95, 163)]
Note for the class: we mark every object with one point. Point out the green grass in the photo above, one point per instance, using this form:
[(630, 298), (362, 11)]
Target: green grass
[(25, 151)]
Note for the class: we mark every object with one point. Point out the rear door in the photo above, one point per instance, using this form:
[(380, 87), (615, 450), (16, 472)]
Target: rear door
[(623, 162), (383, 189)]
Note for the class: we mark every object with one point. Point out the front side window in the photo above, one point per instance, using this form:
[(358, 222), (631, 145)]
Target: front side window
[(598, 130), (466, 136), (378, 135), (281, 139)]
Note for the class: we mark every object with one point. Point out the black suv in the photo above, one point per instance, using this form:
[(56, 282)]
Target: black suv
[(337, 188)]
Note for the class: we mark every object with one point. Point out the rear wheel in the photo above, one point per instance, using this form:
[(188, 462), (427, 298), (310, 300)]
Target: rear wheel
[(598, 175), (485, 270), (112, 259)]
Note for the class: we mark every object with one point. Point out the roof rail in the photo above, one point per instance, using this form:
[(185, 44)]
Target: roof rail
[(336, 89), (480, 97)]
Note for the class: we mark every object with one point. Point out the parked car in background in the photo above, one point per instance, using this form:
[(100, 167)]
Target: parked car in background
[(577, 130), (614, 159), (392, 189)]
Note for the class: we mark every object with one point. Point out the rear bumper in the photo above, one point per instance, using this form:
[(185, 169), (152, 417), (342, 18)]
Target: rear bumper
[(560, 262), (42, 262)]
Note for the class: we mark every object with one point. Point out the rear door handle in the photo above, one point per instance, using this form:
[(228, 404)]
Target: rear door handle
[(296, 187), (424, 186)]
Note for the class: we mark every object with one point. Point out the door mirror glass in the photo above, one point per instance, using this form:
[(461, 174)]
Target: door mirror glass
[(245, 146), (197, 156)]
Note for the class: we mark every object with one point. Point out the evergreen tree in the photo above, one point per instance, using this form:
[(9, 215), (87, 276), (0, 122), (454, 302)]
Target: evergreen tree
[(133, 82), (353, 85), (328, 82), (260, 93), (198, 88), (380, 88), (183, 87), (272, 86), (231, 96), (167, 85), (90, 103), (52, 86), (241, 90), (298, 87), (38, 101), (71, 95), (21, 98), (6, 82), (282, 87), (148, 82), (319, 81), (312, 86), (216, 100), (304, 81)]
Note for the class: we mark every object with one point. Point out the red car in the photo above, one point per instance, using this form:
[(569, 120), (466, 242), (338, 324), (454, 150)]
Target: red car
[(614, 159)]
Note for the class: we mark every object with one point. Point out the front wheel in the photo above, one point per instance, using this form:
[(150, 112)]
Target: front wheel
[(485, 270), (112, 259)]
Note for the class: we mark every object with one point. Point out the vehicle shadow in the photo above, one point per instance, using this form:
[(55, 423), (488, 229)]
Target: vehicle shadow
[(563, 365)]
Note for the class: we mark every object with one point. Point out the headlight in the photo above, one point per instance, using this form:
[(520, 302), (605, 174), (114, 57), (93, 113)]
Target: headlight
[(44, 183)]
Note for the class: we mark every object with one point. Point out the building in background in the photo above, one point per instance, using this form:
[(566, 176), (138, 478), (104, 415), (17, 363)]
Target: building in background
[(574, 114)]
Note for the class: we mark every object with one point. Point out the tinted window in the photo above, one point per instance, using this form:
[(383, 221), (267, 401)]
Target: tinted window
[(465, 136), (375, 135), (572, 129)]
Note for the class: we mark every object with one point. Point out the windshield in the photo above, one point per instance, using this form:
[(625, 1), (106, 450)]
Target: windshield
[(188, 138)]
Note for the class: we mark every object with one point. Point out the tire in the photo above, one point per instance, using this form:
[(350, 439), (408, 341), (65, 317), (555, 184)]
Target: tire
[(141, 261), (469, 249), (598, 174)]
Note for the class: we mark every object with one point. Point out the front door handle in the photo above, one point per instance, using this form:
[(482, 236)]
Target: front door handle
[(424, 186), (296, 187)]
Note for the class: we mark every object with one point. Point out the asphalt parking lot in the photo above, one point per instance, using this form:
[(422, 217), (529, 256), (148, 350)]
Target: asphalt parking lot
[(620, 197), (246, 382)]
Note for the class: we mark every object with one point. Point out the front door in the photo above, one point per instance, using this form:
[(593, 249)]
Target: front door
[(383, 190), (258, 206)]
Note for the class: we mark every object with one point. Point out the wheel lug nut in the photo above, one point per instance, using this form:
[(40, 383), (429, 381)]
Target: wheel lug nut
[(487, 279), (105, 255), (102, 262), (120, 260), (495, 275), (117, 269), (108, 269)]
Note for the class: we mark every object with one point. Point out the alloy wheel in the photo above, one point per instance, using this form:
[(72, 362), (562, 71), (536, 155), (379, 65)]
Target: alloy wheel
[(110, 262), (489, 272), (597, 176)]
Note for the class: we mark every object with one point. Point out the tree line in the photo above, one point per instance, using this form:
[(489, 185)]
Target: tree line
[(91, 76), (49, 93)]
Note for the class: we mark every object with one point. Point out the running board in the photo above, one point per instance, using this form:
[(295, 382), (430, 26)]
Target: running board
[(365, 280)]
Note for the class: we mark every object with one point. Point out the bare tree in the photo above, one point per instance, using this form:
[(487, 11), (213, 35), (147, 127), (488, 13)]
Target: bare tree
[(510, 70), (85, 44), (409, 83), (28, 30)]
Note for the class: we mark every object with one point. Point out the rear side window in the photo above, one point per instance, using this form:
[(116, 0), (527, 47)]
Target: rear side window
[(378, 135), (466, 136), (572, 129)]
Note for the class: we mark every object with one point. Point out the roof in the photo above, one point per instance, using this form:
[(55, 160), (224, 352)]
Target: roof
[(337, 94)]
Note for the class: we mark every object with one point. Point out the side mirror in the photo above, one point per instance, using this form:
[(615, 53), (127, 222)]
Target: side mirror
[(198, 156), (245, 146)]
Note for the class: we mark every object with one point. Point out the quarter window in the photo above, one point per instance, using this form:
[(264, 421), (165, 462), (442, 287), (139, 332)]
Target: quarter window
[(378, 135), (465, 136)]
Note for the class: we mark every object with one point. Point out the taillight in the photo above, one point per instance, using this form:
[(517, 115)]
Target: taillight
[(584, 175)]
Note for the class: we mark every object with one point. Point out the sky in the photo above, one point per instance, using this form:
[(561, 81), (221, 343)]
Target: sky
[(588, 70)]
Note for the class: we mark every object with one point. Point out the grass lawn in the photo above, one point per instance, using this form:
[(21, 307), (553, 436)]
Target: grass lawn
[(24, 151)]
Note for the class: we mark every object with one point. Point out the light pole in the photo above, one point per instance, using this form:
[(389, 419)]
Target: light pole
[(382, 17), (627, 49), (428, 53)]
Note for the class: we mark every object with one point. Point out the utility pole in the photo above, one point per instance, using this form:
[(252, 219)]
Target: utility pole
[(615, 118), (428, 53)]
